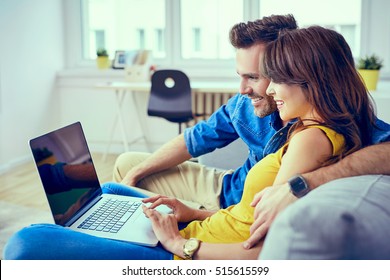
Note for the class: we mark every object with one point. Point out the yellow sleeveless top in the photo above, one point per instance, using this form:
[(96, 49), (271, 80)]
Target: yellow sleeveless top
[(231, 225)]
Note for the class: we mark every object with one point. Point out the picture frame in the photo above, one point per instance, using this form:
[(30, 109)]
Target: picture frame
[(119, 60)]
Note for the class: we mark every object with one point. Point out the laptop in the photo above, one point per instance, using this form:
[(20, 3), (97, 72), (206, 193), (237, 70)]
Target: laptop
[(74, 193)]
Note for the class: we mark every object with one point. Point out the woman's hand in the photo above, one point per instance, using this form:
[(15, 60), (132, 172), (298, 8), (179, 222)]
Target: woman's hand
[(166, 229), (181, 212)]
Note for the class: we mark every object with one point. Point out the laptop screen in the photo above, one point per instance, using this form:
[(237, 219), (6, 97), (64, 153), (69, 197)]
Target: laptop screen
[(66, 169)]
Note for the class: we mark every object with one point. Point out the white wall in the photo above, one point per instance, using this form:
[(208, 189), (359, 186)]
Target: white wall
[(31, 52)]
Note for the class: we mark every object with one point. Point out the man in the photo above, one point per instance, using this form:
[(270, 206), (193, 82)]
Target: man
[(251, 116)]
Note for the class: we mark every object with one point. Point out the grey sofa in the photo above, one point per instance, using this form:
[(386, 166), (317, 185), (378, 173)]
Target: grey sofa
[(344, 219)]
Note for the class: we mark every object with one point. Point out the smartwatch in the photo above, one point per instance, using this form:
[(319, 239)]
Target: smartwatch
[(298, 186)]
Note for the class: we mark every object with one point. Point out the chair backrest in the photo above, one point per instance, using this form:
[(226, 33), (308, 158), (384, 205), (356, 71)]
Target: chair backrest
[(170, 96)]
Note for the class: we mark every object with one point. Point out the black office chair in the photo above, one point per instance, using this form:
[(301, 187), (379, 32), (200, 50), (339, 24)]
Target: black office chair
[(171, 97)]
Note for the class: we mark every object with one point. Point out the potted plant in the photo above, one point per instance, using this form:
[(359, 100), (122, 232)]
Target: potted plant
[(102, 60), (368, 68)]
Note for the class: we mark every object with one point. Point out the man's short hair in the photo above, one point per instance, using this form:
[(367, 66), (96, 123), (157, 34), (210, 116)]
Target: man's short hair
[(245, 35)]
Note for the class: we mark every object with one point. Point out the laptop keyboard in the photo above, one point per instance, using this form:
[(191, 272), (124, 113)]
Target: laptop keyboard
[(110, 216)]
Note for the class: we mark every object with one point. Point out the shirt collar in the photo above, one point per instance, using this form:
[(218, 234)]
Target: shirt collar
[(277, 123)]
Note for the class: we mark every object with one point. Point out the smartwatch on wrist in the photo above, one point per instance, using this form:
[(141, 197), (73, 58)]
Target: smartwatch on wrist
[(298, 186)]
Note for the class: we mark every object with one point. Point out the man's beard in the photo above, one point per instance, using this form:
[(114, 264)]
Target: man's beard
[(266, 109)]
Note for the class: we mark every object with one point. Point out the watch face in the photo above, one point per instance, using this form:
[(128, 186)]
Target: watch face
[(191, 244), (298, 186)]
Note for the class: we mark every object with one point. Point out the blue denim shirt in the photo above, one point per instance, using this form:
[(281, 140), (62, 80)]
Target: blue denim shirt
[(263, 136)]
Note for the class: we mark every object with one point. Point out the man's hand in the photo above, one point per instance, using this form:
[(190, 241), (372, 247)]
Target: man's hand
[(129, 179), (268, 204)]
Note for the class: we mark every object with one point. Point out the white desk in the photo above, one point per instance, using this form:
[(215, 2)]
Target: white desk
[(228, 87), (121, 88)]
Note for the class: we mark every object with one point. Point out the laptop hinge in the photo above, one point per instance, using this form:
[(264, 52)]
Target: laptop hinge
[(82, 211)]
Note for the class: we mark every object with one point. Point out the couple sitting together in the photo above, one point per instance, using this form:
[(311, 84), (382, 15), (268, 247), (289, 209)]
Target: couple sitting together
[(307, 119)]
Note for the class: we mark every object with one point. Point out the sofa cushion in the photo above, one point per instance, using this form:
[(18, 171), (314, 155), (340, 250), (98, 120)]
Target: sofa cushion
[(344, 219), (230, 157)]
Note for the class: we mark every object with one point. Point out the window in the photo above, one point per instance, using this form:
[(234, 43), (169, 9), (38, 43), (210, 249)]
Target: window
[(100, 39), (198, 30), (141, 39), (132, 24), (206, 35), (160, 45), (193, 35), (196, 40), (126, 24), (342, 16)]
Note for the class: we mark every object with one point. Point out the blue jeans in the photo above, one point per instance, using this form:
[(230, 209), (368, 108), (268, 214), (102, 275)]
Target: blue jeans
[(53, 242)]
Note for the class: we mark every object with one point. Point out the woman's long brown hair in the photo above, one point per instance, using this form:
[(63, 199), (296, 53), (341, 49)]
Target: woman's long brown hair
[(320, 61)]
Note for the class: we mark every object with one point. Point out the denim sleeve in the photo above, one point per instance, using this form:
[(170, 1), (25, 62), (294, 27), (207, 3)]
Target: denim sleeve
[(217, 132), (381, 133)]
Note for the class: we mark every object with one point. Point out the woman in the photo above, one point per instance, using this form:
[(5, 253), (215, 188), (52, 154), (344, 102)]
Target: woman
[(313, 80)]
